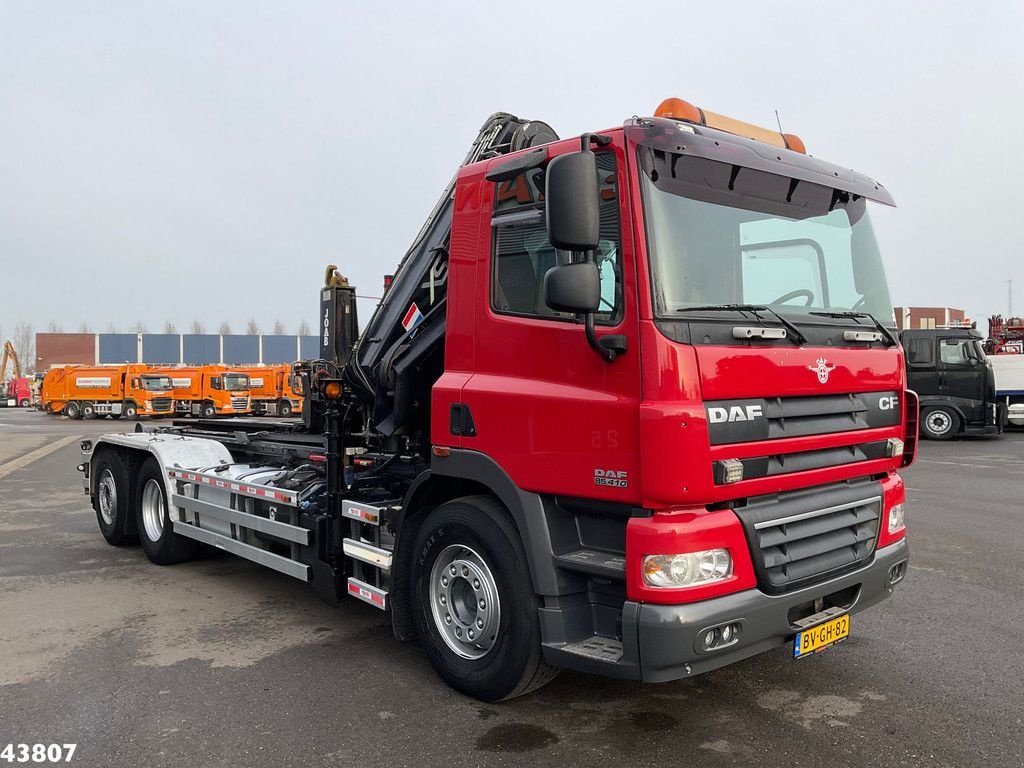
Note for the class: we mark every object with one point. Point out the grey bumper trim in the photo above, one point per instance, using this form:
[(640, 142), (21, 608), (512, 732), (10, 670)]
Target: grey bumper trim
[(667, 634)]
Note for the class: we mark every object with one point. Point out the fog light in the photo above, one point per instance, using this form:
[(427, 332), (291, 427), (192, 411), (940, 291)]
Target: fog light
[(689, 570), (894, 447), (709, 638), (728, 471), (727, 634), (896, 522)]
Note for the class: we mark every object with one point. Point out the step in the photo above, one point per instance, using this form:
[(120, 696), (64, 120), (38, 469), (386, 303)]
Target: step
[(608, 565), (597, 648), (367, 553), (364, 513), (368, 593)]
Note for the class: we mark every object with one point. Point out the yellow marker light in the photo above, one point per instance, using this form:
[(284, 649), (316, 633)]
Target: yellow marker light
[(677, 109), (333, 390)]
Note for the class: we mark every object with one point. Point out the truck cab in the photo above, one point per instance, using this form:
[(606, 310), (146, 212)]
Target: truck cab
[(953, 378)]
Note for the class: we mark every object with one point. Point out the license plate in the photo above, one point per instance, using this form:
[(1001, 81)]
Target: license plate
[(821, 636)]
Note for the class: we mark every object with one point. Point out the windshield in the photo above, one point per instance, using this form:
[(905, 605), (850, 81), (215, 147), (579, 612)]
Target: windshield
[(157, 383), (720, 234), (236, 381)]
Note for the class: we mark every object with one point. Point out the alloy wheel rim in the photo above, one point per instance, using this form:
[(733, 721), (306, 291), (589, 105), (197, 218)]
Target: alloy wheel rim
[(464, 601), (153, 510), (939, 422), (107, 491)]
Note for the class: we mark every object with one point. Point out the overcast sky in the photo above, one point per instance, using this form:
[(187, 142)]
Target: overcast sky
[(182, 160)]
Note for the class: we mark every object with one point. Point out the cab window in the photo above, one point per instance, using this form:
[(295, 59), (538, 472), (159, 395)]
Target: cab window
[(920, 353), (522, 253), (955, 352)]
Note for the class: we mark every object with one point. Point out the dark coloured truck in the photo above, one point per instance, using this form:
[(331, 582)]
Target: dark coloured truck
[(954, 381), (632, 404)]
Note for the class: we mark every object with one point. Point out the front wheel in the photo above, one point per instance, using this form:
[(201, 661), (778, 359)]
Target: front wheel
[(129, 410), (208, 411), (476, 611), (24, 403), (159, 541), (939, 423), (285, 408)]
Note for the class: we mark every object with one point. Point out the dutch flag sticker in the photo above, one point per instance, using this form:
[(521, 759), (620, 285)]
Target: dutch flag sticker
[(412, 318)]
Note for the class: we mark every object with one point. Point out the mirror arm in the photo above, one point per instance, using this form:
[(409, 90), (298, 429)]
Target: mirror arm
[(587, 138)]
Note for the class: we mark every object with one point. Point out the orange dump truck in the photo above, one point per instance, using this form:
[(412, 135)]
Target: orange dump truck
[(270, 390), (209, 390), (80, 391)]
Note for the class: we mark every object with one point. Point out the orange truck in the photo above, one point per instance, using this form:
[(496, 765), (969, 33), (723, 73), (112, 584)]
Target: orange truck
[(270, 391), (85, 392), (209, 390)]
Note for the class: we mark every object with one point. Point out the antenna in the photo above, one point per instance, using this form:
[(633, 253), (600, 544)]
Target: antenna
[(778, 121), (1009, 298)]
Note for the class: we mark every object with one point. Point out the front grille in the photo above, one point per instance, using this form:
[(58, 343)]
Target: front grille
[(162, 403), (240, 403), (803, 461), (771, 418), (806, 537)]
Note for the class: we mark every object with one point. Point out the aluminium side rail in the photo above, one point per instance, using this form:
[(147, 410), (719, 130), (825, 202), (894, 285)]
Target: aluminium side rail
[(188, 512)]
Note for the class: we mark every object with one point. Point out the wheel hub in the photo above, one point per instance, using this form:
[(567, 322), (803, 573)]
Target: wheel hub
[(464, 601), (153, 510), (939, 422), (107, 492)]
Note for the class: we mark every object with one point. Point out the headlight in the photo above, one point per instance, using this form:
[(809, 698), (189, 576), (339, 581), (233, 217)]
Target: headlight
[(896, 518), (149, 405), (689, 570)]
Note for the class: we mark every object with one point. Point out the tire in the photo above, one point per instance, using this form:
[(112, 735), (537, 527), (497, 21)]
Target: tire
[(208, 410), (489, 593), (72, 410), (23, 404), (88, 410), (940, 423), (130, 410), (112, 504), (161, 545), (285, 408)]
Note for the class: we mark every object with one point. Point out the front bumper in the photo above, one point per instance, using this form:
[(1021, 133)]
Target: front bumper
[(668, 636)]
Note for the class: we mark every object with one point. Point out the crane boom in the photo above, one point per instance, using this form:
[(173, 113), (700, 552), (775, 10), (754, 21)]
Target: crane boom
[(400, 352)]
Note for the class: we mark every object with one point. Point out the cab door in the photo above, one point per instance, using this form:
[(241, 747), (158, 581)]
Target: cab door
[(962, 376), (544, 405), (922, 364)]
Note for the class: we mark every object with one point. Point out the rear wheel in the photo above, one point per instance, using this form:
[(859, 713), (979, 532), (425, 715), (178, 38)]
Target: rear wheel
[(88, 410), (940, 423), (285, 408), (476, 612), (72, 410), (111, 501), (162, 545)]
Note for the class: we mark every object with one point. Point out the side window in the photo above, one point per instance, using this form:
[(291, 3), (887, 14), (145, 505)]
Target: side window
[(522, 254), (955, 352), (921, 353)]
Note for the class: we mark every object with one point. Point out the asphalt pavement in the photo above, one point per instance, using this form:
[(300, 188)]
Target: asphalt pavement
[(217, 662)]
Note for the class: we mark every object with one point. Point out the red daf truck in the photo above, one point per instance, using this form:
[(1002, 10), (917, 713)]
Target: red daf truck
[(632, 404)]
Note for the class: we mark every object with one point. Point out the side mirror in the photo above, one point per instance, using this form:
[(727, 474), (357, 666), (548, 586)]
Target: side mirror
[(573, 287), (573, 202)]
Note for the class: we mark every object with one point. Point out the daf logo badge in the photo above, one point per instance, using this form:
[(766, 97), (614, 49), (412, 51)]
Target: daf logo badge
[(822, 368)]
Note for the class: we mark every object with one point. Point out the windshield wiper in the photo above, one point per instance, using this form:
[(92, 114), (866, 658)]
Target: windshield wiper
[(854, 315), (798, 338)]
